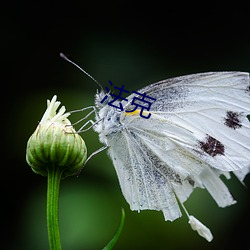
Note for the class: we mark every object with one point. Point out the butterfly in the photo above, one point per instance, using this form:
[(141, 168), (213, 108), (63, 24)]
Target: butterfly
[(198, 130)]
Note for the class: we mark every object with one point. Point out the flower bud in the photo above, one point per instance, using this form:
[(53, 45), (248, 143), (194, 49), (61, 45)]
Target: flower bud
[(55, 144)]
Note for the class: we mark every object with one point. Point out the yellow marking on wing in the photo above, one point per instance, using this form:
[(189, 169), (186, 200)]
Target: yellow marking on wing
[(136, 112)]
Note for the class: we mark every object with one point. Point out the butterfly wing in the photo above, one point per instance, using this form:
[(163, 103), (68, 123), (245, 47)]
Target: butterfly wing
[(214, 107), (197, 129), (141, 184)]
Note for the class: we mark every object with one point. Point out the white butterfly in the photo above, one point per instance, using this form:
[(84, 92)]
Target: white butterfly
[(198, 130)]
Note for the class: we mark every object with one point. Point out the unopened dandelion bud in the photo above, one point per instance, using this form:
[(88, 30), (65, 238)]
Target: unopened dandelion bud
[(55, 143)]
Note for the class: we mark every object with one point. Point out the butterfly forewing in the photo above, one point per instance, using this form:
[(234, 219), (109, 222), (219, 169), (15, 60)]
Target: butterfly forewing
[(212, 106)]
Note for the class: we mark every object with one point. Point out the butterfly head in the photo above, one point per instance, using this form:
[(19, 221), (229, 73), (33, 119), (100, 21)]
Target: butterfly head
[(102, 99)]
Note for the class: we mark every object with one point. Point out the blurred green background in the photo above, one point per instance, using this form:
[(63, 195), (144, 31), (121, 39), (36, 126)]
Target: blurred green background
[(130, 44)]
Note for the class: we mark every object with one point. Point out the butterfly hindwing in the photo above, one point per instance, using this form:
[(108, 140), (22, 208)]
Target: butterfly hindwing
[(142, 184)]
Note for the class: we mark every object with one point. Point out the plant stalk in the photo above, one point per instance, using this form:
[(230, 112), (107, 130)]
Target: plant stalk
[(53, 185)]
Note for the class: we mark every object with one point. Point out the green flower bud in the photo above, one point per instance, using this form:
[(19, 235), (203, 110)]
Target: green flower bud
[(55, 144)]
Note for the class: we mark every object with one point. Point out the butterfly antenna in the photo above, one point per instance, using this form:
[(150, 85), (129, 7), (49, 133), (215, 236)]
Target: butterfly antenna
[(68, 60)]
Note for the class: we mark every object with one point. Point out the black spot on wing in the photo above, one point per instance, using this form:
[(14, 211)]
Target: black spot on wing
[(191, 181), (233, 119), (212, 146)]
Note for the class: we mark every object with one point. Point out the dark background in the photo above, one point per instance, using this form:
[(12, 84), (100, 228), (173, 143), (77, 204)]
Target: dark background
[(132, 44)]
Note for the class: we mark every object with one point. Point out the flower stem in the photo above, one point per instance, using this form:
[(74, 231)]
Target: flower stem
[(54, 177)]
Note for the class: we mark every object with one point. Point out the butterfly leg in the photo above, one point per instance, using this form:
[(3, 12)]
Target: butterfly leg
[(91, 155), (96, 152), (81, 129), (84, 125), (86, 116)]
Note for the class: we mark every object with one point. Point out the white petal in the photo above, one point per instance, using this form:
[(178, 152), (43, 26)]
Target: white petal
[(50, 110), (200, 228), (51, 114)]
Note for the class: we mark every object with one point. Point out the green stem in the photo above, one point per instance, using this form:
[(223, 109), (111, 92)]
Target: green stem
[(54, 177)]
